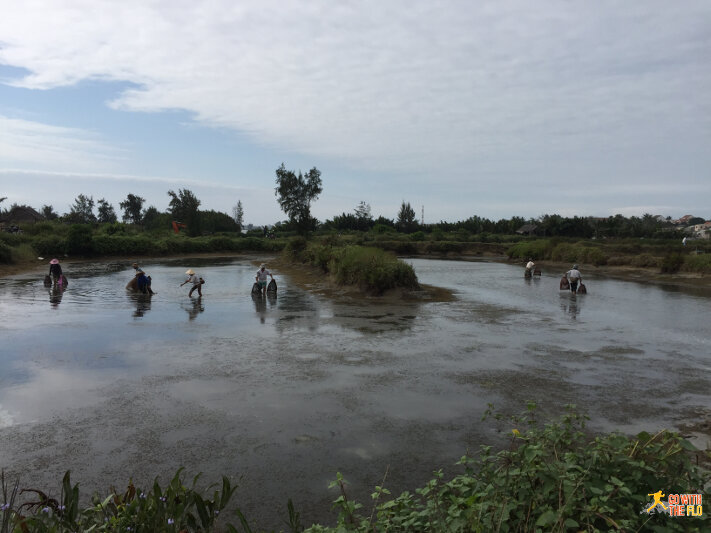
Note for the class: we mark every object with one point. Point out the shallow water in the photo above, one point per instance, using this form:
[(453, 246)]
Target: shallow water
[(287, 391)]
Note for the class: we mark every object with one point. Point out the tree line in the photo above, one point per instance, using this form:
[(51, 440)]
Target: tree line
[(296, 192)]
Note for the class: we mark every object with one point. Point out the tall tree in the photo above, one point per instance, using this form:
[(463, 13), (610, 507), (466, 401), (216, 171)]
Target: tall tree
[(48, 212), (183, 207), (406, 218), (83, 210), (295, 194), (238, 214), (106, 211), (132, 209)]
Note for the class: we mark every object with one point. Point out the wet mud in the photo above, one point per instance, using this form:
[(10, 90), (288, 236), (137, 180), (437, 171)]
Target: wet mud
[(281, 393)]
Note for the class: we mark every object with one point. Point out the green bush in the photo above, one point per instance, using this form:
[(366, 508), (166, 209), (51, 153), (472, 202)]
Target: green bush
[(551, 478), (49, 246), (644, 261), (5, 253), (697, 263), (170, 509), (444, 247), (536, 249), (79, 239), (418, 236), (672, 263), (370, 268)]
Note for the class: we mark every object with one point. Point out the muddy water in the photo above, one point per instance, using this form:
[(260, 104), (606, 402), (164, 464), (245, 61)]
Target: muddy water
[(283, 393)]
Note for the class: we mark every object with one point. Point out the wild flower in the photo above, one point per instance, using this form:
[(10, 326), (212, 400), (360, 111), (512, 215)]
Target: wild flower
[(45, 510), (4, 507), (171, 521)]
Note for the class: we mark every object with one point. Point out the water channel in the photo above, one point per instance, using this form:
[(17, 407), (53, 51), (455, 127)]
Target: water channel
[(280, 394)]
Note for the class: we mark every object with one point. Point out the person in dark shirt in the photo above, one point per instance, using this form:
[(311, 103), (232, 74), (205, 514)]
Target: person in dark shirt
[(55, 270)]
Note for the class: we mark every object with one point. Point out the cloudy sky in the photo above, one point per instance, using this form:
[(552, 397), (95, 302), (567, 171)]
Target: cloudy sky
[(490, 108)]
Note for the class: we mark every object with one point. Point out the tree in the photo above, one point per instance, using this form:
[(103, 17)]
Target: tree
[(363, 216), (48, 212), (406, 218), (106, 212), (132, 209), (295, 194), (184, 208), (83, 210), (238, 214)]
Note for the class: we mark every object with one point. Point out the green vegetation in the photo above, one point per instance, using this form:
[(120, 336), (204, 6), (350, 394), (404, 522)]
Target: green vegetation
[(175, 508), (668, 256), (372, 269), (551, 477)]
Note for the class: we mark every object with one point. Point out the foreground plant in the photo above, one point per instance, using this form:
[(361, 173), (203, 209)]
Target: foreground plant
[(172, 509), (552, 478)]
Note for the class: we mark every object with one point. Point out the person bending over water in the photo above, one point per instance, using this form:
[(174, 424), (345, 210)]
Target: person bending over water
[(574, 277), (196, 280), (261, 278)]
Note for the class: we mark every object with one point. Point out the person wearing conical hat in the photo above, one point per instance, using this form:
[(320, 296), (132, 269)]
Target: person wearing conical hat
[(55, 270), (196, 280)]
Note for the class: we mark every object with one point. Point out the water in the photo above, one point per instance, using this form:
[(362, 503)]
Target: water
[(283, 393)]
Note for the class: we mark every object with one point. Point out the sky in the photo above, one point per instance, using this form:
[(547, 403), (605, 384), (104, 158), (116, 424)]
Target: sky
[(491, 108)]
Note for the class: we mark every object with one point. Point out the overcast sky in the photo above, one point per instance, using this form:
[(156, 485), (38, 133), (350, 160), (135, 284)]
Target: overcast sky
[(489, 108)]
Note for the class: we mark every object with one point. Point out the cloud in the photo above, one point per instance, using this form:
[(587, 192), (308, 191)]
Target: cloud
[(469, 96), (48, 147)]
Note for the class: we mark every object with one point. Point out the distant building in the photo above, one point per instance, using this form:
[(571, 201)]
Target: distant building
[(683, 220), (20, 214), (527, 229)]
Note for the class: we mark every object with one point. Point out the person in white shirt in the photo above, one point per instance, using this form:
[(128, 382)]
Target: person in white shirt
[(261, 278), (196, 280), (574, 277), (529, 268)]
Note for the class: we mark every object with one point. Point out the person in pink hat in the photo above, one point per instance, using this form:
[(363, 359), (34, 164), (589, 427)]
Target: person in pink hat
[(55, 271)]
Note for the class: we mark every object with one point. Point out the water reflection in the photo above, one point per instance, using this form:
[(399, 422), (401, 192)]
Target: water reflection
[(194, 308), (260, 306), (571, 304), (142, 304), (55, 295)]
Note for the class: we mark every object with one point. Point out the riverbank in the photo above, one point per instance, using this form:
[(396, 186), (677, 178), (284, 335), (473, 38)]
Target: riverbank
[(302, 273)]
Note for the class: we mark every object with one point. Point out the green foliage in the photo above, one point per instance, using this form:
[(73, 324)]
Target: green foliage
[(418, 236), (106, 212), (79, 239), (173, 508), (183, 207), (295, 194), (672, 263), (551, 478), (406, 218), (82, 212), (373, 269), (5, 253), (697, 263), (132, 209), (49, 246)]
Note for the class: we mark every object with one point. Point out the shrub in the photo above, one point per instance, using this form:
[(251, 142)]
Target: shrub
[(644, 260), (5, 253), (172, 508), (672, 263), (48, 246), (552, 478), (698, 263), (417, 236), (79, 239)]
